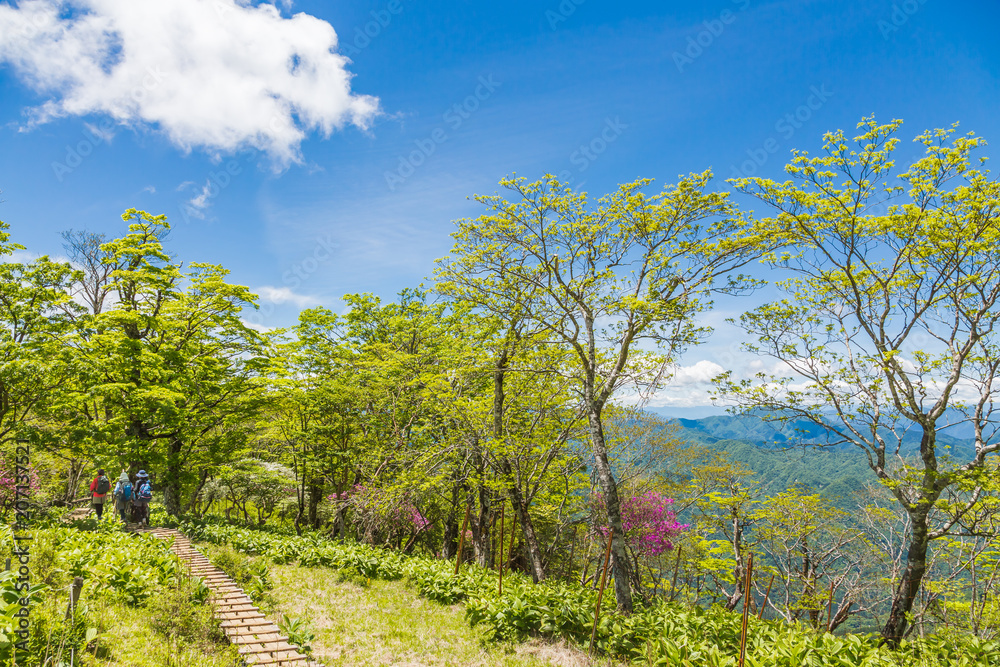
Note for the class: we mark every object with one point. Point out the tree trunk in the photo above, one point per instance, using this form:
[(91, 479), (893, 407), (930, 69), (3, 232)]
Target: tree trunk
[(482, 541), (315, 496), (909, 583), (197, 492), (609, 487), (172, 478), (450, 546), (73, 480), (533, 553)]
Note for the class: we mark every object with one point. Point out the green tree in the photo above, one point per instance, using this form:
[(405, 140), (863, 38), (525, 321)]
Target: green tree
[(889, 327), (35, 361), (815, 556), (171, 376), (598, 280)]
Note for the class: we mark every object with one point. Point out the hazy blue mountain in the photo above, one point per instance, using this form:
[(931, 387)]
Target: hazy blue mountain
[(776, 454)]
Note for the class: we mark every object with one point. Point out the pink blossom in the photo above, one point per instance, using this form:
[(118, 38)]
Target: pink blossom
[(649, 524), (382, 509), (8, 485)]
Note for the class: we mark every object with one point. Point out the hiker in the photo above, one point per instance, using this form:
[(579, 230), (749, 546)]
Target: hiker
[(99, 488), (123, 495), (143, 493)]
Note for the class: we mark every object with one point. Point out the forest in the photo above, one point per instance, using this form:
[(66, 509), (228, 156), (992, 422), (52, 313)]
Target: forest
[(497, 416)]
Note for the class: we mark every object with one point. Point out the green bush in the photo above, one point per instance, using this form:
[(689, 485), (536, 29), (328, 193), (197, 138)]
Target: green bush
[(661, 634), (179, 612)]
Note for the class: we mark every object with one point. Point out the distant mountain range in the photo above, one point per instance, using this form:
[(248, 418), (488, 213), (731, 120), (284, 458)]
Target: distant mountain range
[(775, 453)]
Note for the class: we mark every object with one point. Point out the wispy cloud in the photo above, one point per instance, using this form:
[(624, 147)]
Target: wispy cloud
[(198, 203), (101, 133), (279, 295), (213, 74)]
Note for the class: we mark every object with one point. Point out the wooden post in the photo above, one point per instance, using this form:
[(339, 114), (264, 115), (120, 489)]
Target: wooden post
[(74, 596), (829, 609), (766, 596), (510, 547), (493, 536), (677, 567), (600, 593), (746, 612), (461, 538), (501, 561)]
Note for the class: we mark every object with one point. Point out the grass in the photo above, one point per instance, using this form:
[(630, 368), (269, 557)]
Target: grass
[(361, 622), (129, 638)]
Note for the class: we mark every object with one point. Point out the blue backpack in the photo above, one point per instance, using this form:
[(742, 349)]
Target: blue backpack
[(145, 490), (126, 491)]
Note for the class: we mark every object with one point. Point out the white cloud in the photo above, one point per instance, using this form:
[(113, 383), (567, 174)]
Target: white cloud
[(151, 189), (700, 373), (102, 134), (213, 74), (260, 328), (198, 203), (280, 295)]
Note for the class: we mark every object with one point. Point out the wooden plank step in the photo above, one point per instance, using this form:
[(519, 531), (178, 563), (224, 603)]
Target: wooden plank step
[(274, 639), (276, 662), (274, 649), (239, 615), (246, 623), (257, 639)]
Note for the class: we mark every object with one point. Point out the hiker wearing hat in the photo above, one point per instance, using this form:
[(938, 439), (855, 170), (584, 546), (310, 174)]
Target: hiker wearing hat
[(99, 489), (123, 495), (143, 494)]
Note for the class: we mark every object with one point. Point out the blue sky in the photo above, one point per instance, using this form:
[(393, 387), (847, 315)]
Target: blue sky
[(351, 181)]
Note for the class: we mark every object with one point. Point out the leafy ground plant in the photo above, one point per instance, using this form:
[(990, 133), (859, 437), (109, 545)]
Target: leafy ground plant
[(388, 623), (659, 634)]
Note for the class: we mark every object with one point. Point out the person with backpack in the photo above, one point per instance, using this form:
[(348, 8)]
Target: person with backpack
[(99, 488), (143, 494), (123, 496)]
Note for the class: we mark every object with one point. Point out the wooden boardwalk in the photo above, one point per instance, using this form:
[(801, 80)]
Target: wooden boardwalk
[(259, 641)]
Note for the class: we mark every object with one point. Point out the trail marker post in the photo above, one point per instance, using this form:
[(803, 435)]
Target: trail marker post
[(461, 538), (502, 562), (677, 567), (766, 596), (600, 592), (746, 612)]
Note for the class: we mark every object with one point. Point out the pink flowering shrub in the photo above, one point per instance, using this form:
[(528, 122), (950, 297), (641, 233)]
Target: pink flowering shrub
[(649, 522), (8, 486), (379, 510)]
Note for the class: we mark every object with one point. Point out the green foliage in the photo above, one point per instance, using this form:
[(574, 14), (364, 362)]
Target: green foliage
[(659, 634), (180, 612), (248, 573), (131, 570), (298, 633)]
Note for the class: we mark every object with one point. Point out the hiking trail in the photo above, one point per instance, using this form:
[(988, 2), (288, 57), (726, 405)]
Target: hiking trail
[(259, 640)]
